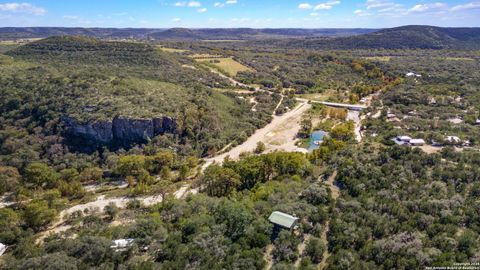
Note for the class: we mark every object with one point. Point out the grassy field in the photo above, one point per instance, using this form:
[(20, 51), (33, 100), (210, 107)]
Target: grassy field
[(172, 50), (227, 65), (204, 56), (458, 59), (378, 58), (328, 95), (222, 40)]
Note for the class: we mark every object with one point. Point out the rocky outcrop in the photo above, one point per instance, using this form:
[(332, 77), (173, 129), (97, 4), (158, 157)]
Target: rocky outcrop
[(120, 131), (99, 132), (126, 130), (164, 125)]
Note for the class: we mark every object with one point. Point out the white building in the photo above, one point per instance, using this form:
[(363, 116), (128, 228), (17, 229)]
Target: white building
[(417, 142), (121, 244), (3, 248), (404, 138), (412, 74), (453, 139)]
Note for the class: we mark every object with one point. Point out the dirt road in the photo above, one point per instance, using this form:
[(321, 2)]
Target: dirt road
[(335, 194), (100, 203), (279, 134), (355, 117)]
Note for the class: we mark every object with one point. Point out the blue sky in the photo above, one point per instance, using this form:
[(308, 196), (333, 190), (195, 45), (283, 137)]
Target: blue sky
[(239, 13)]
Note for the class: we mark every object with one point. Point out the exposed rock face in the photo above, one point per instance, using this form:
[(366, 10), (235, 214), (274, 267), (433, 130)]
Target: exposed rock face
[(99, 132), (119, 131), (164, 125), (127, 130)]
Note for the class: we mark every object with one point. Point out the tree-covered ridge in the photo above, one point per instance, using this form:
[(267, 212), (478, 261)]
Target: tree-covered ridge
[(90, 50), (93, 81), (404, 37), (121, 58), (404, 209), (9, 33)]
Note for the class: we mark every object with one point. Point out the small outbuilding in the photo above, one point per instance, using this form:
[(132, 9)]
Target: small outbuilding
[(417, 142), (404, 138), (413, 74), (121, 244), (3, 248), (453, 139), (283, 220)]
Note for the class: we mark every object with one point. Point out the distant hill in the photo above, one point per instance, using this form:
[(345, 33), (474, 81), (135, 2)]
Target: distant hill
[(73, 49), (252, 34), (405, 37), (8, 33)]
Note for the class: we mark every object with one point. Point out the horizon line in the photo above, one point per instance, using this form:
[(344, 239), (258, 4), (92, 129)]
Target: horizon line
[(307, 28)]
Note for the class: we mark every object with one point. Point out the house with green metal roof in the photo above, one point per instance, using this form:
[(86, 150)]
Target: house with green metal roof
[(283, 220)]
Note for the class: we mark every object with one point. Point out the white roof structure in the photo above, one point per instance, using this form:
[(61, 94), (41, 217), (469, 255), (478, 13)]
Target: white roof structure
[(282, 219), (121, 243), (417, 142), (411, 74), (453, 139), (404, 138), (3, 248)]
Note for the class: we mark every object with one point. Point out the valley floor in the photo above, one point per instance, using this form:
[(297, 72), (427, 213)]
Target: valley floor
[(280, 134)]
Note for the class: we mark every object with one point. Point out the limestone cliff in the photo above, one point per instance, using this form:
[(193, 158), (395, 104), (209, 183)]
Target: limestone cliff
[(120, 130)]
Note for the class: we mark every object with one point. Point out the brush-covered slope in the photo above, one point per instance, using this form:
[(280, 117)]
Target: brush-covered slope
[(9, 33), (406, 37), (96, 93)]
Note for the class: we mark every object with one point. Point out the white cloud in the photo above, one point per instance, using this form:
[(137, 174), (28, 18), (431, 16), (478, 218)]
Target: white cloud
[(383, 8), (326, 6), (361, 13), (322, 6), (314, 14), (176, 20), (428, 7), (22, 7), (379, 4), (228, 2), (305, 6), (202, 10), (418, 8), (194, 4), (191, 4), (468, 6)]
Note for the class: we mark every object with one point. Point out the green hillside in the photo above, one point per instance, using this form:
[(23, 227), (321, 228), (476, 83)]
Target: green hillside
[(94, 82), (405, 37)]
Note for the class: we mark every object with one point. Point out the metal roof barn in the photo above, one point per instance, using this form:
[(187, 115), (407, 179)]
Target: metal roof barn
[(282, 219)]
